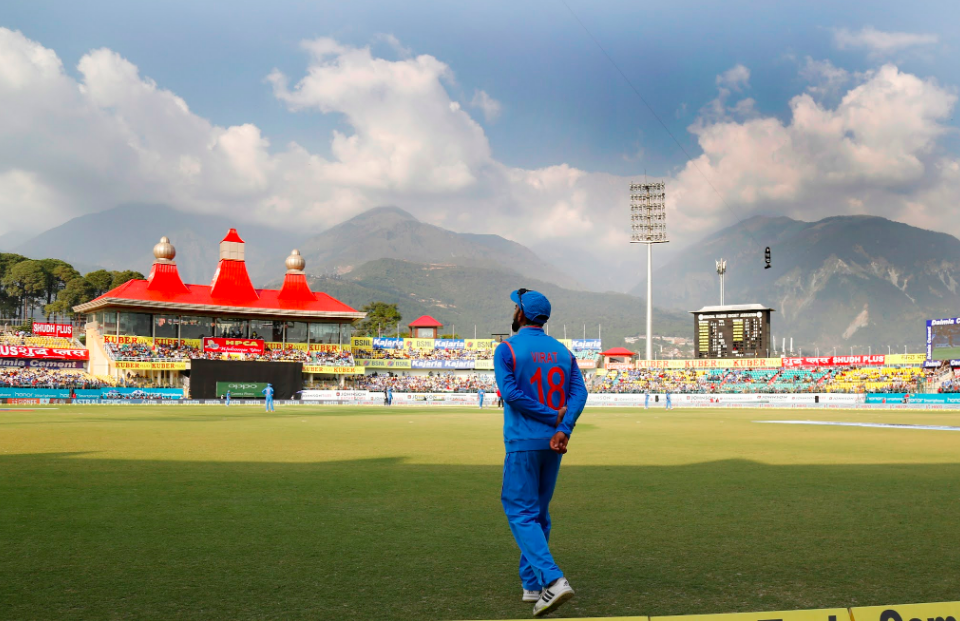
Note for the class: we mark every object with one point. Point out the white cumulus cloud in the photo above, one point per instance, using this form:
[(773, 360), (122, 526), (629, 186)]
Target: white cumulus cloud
[(72, 145), (880, 43), (490, 107)]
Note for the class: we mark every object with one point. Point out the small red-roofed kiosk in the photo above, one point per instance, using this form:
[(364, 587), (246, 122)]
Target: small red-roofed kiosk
[(619, 358), (425, 327)]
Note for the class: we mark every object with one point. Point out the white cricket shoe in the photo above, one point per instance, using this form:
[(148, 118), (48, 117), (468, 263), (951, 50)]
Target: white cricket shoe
[(530, 596), (552, 597)]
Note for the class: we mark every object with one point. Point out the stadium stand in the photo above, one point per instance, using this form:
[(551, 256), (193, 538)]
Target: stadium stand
[(48, 378), (875, 379), (438, 382), (141, 352), (27, 340), (886, 379)]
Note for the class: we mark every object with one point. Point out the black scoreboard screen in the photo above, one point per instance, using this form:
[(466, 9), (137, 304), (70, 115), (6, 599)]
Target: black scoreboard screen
[(732, 333)]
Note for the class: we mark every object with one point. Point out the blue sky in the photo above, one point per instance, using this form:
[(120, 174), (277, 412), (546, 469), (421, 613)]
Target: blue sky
[(561, 101)]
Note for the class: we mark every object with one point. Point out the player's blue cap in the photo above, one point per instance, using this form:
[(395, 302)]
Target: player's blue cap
[(535, 305)]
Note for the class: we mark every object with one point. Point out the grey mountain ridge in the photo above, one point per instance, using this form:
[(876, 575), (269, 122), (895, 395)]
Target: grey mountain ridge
[(123, 238), (392, 233), (841, 281)]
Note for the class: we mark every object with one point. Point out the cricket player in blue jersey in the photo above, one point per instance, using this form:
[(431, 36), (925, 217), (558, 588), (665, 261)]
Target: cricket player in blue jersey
[(480, 397), (646, 400), (543, 395), (268, 393), (669, 404), (228, 397)]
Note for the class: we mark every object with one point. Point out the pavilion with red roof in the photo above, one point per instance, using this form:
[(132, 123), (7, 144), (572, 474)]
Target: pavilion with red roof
[(424, 327), (164, 309)]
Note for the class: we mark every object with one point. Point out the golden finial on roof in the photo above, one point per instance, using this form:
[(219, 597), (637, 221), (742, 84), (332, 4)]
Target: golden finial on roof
[(295, 263), (164, 251)]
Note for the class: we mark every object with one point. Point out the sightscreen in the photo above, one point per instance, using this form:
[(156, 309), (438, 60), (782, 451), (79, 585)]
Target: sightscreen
[(286, 377), (943, 339)]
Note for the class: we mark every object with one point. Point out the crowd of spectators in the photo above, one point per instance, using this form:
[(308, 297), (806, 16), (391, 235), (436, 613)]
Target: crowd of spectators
[(48, 378), (130, 352), (27, 339), (844, 380), (653, 380), (435, 382), (425, 354), (141, 352)]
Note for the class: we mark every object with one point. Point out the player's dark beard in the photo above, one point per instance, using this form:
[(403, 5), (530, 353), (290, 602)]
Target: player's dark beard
[(515, 326)]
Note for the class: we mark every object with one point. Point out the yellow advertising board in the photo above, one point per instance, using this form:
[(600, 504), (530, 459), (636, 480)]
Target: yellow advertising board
[(601, 619), (277, 345), (329, 349), (383, 364), (568, 343), (365, 342), (827, 614), (712, 363), (480, 344), (151, 366), (427, 344), (944, 611), (914, 359), (319, 368), (127, 340), (483, 365), (188, 342)]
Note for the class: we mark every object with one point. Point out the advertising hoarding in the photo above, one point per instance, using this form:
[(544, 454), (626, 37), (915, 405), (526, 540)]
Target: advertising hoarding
[(53, 329), (43, 353), (233, 346), (943, 338)]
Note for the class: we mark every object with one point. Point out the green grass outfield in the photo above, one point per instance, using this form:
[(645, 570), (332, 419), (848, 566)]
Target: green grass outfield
[(163, 512)]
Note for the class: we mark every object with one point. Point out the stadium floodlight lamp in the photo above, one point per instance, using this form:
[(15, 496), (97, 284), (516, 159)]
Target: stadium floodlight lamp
[(648, 225), (721, 271)]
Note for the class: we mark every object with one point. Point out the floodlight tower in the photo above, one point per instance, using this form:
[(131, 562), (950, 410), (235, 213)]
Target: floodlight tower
[(648, 225), (721, 271)]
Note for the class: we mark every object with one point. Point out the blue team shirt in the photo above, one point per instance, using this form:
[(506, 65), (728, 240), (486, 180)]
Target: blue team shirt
[(268, 391), (537, 376)]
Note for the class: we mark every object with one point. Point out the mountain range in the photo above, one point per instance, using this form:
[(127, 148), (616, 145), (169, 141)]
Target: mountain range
[(466, 297), (122, 238), (850, 281), (843, 281)]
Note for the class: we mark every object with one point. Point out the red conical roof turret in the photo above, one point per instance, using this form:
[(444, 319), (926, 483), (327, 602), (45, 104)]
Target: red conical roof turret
[(295, 288), (164, 277), (231, 282)]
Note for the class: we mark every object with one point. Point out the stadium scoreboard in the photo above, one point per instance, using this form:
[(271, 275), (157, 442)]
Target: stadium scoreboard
[(740, 331)]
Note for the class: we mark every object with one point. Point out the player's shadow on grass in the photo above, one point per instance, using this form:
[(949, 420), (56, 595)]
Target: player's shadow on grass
[(384, 539)]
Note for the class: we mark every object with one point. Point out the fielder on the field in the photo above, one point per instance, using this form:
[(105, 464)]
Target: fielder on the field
[(228, 397), (268, 393), (543, 394), (480, 397)]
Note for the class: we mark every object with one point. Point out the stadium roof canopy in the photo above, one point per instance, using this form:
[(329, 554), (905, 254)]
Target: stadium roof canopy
[(230, 293), (733, 308), (618, 352), (426, 321)]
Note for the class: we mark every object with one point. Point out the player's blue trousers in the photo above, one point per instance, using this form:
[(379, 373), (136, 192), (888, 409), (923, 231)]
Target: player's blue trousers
[(528, 481), (481, 401), (269, 404)]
